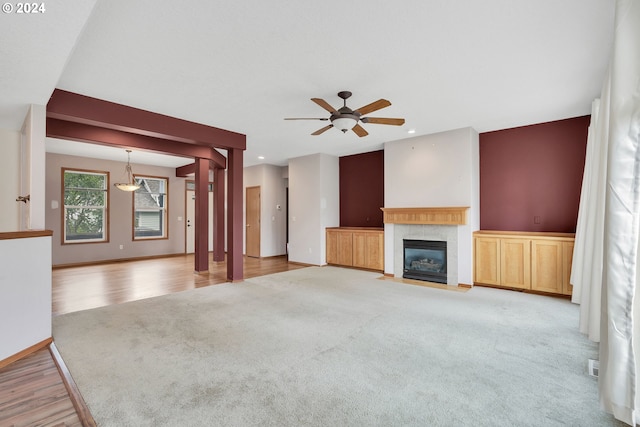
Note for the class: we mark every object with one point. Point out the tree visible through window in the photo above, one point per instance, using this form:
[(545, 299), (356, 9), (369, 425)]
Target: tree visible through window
[(85, 206), (150, 210)]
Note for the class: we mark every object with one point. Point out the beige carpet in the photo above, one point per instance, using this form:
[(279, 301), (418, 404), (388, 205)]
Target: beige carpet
[(333, 347)]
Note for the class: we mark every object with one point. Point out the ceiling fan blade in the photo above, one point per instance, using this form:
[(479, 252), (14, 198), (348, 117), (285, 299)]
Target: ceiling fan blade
[(374, 106), (324, 129), (383, 121), (324, 104), (307, 118), (359, 130)]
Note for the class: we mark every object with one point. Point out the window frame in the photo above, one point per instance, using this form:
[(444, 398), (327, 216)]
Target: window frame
[(106, 207), (164, 209)]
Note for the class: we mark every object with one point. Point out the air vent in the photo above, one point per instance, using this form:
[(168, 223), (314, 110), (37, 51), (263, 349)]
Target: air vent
[(594, 367)]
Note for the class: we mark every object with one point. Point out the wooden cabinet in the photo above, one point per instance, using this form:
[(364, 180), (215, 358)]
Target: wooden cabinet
[(532, 261), (332, 247), (345, 248), (567, 259), (546, 266), (487, 260), (515, 268), (356, 247), (368, 250)]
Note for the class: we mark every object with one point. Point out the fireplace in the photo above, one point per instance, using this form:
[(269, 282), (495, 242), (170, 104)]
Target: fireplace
[(425, 260), (436, 224)]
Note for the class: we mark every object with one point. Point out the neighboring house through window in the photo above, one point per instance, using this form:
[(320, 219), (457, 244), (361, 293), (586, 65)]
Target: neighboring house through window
[(86, 208), (150, 208)]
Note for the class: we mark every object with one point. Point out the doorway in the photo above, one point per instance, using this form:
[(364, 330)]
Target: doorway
[(190, 214), (253, 222)]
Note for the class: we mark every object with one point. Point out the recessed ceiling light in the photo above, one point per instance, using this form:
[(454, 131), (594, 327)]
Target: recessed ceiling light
[(261, 157), (411, 131)]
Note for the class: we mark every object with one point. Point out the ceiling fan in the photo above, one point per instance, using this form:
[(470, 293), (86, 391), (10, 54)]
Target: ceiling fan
[(345, 118)]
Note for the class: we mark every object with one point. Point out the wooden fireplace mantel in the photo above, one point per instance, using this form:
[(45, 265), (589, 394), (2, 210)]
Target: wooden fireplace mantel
[(438, 216)]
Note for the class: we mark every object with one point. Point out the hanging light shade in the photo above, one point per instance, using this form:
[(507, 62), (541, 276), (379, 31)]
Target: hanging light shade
[(345, 122), (130, 185)]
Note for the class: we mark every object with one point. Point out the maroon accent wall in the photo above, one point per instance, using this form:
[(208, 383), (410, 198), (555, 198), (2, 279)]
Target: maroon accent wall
[(362, 189), (530, 177)]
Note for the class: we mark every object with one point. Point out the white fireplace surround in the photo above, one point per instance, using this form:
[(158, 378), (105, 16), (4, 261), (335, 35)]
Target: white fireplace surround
[(449, 224), (447, 233)]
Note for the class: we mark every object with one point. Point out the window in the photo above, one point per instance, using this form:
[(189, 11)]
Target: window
[(191, 186), (85, 195), (150, 208)]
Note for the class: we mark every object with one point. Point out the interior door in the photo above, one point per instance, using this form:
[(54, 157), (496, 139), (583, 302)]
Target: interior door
[(253, 222), (190, 229), (190, 221), (24, 213)]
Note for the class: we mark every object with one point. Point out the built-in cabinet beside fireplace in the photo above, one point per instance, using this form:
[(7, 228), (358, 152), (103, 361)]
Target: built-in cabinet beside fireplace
[(356, 247), (524, 260)]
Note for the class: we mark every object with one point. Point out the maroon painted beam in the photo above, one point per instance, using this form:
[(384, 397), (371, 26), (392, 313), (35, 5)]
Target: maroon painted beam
[(202, 216), (218, 214), (97, 135), (235, 232), (73, 107), (186, 170)]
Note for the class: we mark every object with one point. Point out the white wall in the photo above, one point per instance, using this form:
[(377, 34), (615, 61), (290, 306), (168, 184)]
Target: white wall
[(314, 204), (329, 200), (430, 171), (273, 221), (25, 293), (25, 285), (465, 234), (120, 213), (10, 179)]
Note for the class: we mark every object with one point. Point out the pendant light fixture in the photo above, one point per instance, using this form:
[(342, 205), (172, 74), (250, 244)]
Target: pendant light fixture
[(130, 185)]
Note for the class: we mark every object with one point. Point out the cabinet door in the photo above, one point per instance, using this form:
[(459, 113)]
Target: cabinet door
[(360, 249), (332, 247), (345, 248), (567, 260), (546, 266), (375, 251), (487, 259), (368, 250), (515, 263)]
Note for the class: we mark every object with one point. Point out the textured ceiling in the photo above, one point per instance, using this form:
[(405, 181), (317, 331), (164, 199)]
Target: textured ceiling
[(245, 65)]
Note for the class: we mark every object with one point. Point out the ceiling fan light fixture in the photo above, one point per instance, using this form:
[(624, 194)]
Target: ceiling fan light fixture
[(130, 185), (345, 122), (346, 119)]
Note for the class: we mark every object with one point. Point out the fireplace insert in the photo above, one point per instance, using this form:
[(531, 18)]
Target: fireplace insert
[(425, 260)]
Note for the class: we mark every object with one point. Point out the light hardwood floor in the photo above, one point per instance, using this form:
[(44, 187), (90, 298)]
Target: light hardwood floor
[(32, 392), (91, 286)]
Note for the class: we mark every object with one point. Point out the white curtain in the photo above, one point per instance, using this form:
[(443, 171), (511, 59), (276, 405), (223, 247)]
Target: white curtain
[(607, 257), (586, 271), (619, 331)]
